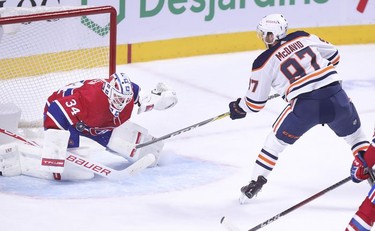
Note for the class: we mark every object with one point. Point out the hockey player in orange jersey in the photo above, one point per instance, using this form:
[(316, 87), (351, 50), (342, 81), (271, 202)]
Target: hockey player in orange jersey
[(301, 68)]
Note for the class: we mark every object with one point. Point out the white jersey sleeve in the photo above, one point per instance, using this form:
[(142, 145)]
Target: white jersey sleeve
[(325, 49), (300, 63)]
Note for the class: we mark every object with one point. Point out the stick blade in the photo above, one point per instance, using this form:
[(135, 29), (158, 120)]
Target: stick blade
[(141, 164), (228, 225), (243, 199), (134, 168)]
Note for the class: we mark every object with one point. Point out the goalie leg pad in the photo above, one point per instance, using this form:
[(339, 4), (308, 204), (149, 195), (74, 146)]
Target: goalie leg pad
[(54, 150), (17, 159), (30, 165), (10, 160), (124, 139), (30, 162)]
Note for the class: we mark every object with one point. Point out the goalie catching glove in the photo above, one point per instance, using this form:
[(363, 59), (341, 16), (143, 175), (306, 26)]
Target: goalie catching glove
[(160, 98)]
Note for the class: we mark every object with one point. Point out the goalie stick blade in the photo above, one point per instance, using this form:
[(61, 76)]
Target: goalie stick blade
[(229, 226), (133, 169), (140, 164), (108, 172)]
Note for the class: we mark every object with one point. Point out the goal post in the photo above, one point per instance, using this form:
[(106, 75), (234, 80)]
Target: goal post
[(42, 49)]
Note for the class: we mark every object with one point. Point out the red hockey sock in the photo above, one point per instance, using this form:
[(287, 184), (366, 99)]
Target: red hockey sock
[(367, 211)]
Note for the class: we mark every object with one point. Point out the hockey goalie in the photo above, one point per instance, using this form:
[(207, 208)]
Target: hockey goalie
[(98, 109)]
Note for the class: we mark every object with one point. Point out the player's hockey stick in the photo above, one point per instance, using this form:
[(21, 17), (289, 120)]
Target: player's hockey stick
[(191, 127), (231, 227), (92, 166), (182, 130), (371, 179), (362, 5)]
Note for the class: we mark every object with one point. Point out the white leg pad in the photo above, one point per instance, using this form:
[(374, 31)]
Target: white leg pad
[(14, 161), (17, 159), (127, 136), (10, 160), (30, 157), (54, 150)]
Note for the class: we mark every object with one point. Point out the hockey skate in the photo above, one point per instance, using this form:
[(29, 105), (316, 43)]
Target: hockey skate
[(252, 189)]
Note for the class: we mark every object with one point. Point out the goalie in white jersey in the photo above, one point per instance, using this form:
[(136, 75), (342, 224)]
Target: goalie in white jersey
[(301, 68)]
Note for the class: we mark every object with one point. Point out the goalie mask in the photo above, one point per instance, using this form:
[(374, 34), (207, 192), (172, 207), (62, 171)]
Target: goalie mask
[(118, 89), (271, 28)]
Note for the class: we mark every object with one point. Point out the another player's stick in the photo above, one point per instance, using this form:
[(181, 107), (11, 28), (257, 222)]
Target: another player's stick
[(92, 166), (362, 5), (371, 179), (230, 227), (191, 127)]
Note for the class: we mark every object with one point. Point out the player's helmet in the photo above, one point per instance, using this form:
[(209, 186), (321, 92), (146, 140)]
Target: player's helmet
[(271, 28), (119, 90)]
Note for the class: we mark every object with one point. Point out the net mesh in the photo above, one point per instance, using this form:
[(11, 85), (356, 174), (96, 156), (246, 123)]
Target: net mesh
[(38, 57)]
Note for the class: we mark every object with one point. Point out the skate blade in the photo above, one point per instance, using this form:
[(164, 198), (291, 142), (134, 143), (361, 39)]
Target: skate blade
[(243, 199)]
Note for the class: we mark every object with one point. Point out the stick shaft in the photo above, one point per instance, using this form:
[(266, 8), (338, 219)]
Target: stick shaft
[(183, 130), (313, 197), (192, 127), (362, 5)]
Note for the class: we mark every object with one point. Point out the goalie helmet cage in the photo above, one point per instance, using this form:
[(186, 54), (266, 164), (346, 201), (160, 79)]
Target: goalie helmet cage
[(42, 49)]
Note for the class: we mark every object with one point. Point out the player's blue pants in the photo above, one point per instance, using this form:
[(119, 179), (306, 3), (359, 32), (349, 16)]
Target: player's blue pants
[(328, 105)]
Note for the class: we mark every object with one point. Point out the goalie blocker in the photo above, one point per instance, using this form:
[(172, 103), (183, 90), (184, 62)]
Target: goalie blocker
[(124, 139)]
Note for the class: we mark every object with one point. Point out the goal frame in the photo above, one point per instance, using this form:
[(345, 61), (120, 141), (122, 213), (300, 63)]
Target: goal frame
[(69, 12), (73, 13)]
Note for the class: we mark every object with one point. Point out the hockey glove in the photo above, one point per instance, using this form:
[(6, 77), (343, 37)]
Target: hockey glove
[(359, 169), (160, 98), (236, 112)]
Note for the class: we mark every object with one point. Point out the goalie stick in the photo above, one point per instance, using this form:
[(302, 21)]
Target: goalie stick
[(93, 166), (191, 127), (228, 225)]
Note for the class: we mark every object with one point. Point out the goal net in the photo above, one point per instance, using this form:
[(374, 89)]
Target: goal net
[(42, 49)]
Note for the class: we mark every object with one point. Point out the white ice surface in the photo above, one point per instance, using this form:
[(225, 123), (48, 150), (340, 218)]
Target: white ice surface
[(202, 170)]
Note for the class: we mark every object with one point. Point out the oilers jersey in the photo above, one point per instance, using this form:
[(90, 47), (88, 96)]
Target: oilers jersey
[(299, 63)]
